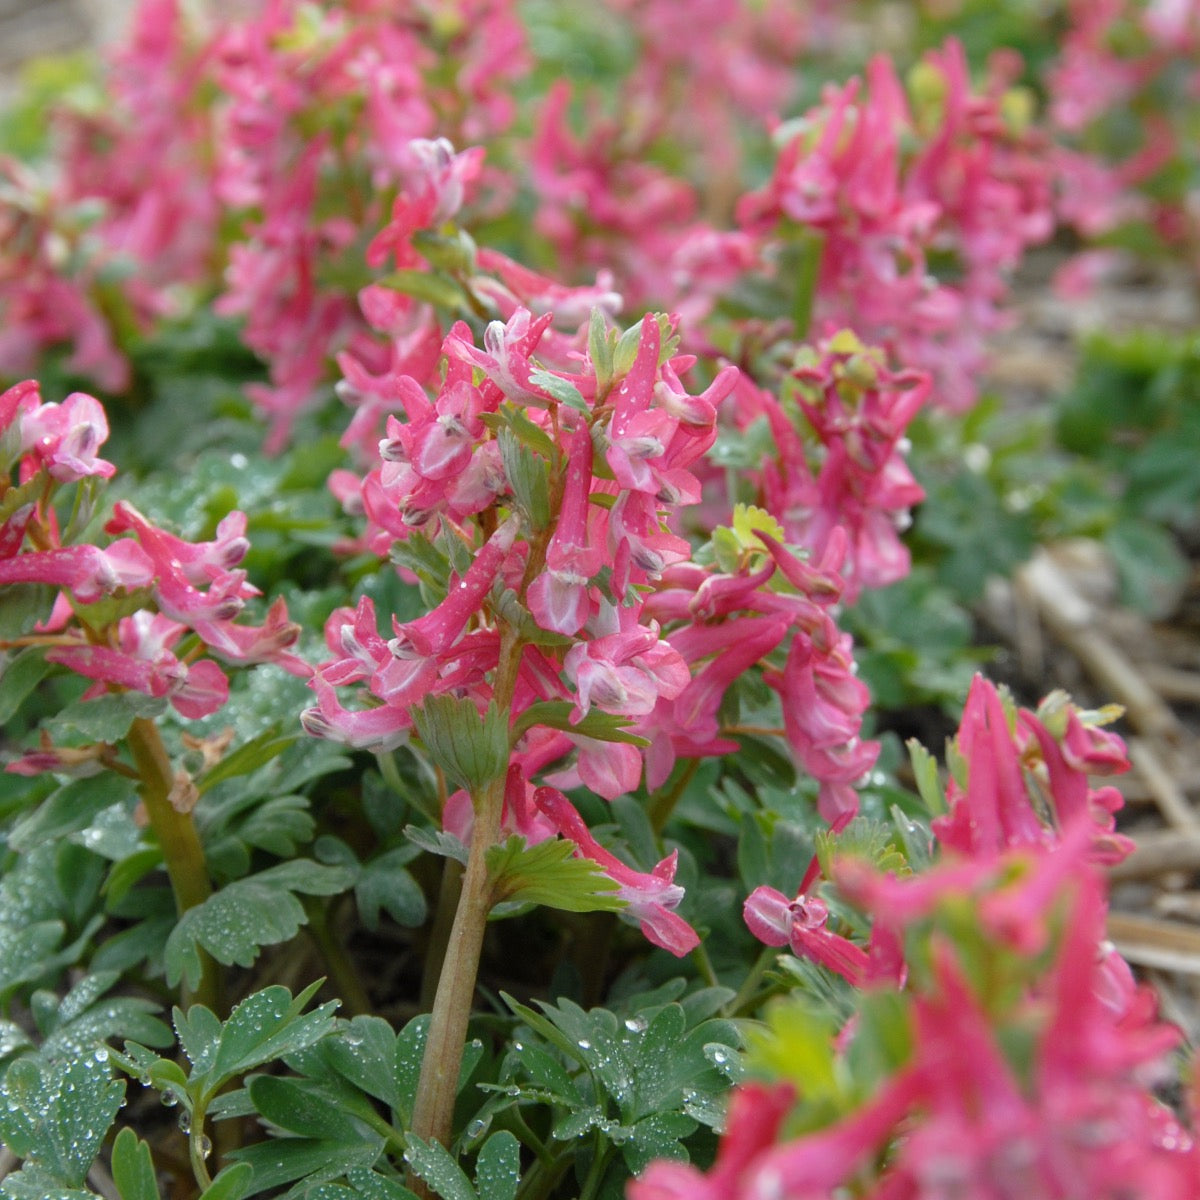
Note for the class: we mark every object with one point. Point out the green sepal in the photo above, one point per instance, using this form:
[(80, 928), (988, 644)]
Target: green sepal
[(529, 475), (556, 714), (433, 289), (472, 750), (549, 874)]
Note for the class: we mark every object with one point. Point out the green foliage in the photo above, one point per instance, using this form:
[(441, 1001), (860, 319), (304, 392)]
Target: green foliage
[(471, 748), (638, 1086), (234, 923), (55, 1115), (549, 874)]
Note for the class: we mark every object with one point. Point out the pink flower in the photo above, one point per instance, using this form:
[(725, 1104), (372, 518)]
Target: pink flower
[(86, 571), (144, 663), (800, 924), (651, 898), (558, 597), (64, 437)]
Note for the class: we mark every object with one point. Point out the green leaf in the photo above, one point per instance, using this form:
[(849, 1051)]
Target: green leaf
[(657, 1136), (433, 1163), (246, 758), (22, 606), (73, 807), (1152, 569), (625, 353), (279, 1161), (561, 389), (106, 718), (261, 910), (471, 749), (437, 841), (556, 714), (551, 875), (232, 1183), (19, 675), (434, 289), (365, 1051), (133, 1168), (267, 1025), (600, 350), (863, 838), (372, 1186), (546, 1028), (74, 1025), (925, 772), (301, 1110), (498, 1167), (386, 886), (529, 475), (426, 561), (57, 1114)]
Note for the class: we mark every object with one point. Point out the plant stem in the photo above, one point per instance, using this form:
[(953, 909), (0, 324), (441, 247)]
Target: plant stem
[(176, 832), (596, 1170), (433, 1109), (810, 246), (439, 936), (704, 966), (341, 967), (663, 802), (745, 1001)]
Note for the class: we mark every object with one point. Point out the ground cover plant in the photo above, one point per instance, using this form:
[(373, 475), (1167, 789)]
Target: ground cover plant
[(458, 603)]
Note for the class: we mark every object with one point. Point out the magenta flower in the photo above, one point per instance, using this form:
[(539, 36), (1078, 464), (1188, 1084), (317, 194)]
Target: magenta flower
[(801, 924), (144, 663), (86, 571), (651, 898), (63, 438), (558, 597)]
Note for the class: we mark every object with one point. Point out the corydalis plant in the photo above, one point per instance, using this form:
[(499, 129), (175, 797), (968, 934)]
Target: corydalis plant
[(999, 1045), (150, 619), (573, 638)]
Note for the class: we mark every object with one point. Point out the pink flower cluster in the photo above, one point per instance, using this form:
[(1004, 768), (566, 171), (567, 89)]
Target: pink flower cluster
[(261, 194), (551, 465), (841, 471), (170, 588), (1030, 1053), (886, 183), (1122, 68)]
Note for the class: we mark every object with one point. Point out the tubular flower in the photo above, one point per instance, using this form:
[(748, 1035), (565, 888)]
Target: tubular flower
[(652, 898)]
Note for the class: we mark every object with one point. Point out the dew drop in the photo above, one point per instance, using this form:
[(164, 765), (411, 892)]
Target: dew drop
[(169, 1099), (185, 1122), (476, 1127), (636, 1024), (204, 1145), (102, 1054), (584, 1044)]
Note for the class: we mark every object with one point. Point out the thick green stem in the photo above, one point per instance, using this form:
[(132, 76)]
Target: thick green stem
[(433, 1109), (176, 832), (449, 892)]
